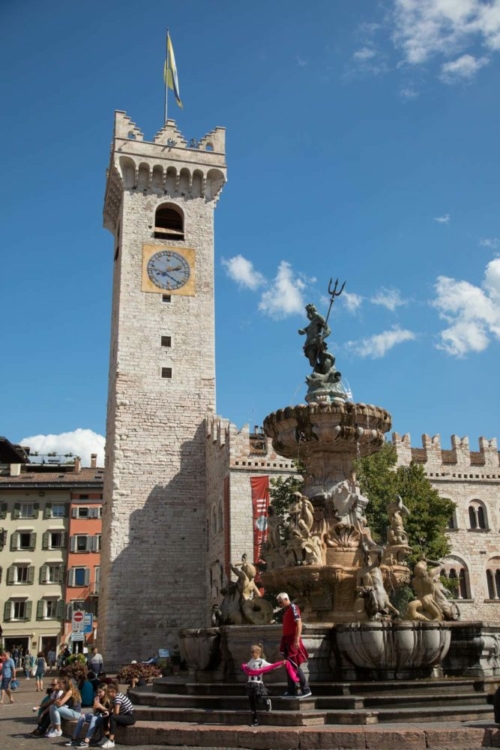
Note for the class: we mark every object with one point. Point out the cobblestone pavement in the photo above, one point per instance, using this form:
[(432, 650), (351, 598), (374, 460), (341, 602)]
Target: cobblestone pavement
[(17, 721)]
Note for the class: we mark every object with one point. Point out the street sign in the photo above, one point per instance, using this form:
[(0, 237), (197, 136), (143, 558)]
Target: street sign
[(78, 621), (77, 637), (88, 623)]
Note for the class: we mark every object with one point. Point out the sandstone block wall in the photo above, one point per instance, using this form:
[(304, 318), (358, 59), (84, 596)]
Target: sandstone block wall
[(468, 478)]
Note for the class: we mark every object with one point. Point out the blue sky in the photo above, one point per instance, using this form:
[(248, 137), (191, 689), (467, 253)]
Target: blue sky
[(362, 142)]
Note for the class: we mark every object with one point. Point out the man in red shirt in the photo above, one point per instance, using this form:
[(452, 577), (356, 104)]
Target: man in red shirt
[(291, 646)]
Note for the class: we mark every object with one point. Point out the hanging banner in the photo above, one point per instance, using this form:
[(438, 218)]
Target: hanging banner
[(260, 504)]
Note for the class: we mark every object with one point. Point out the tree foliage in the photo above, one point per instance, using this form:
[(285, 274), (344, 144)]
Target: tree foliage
[(381, 481), (281, 490)]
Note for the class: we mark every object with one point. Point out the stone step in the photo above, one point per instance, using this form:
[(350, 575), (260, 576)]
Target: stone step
[(424, 700), (232, 717), (438, 713), (213, 702), (450, 686), (372, 737)]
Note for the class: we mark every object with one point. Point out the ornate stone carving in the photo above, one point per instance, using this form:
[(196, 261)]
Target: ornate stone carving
[(432, 601), (242, 603)]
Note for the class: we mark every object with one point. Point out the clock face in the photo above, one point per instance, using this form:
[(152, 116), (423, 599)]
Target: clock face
[(168, 270)]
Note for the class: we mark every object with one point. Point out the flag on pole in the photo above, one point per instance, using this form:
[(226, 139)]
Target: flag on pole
[(170, 72)]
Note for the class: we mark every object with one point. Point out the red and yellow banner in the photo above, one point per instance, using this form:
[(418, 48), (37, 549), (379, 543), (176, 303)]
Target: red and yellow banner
[(260, 504)]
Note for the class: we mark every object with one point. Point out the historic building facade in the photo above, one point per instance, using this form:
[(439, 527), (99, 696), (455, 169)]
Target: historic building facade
[(472, 480), (35, 538), (159, 206)]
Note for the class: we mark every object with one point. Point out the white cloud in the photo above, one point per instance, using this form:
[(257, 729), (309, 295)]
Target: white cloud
[(377, 346), (462, 69), (352, 301), (301, 63), (389, 298), (407, 93), (80, 442), (284, 296), (472, 311), (443, 219), (365, 53), (241, 270), (424, 29), (492, 242)]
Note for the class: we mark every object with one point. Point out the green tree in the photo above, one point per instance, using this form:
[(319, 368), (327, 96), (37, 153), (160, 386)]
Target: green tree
[(281, 490), (381, 481)]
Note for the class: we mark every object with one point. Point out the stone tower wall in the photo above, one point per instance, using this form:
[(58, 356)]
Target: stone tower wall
[(465, 477), (154, 541)]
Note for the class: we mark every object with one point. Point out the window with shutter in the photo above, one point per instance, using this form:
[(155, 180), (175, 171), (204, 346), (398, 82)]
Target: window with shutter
[(33, 541), (16, 512), (27, 611), (31, 574), (60, 610), (44, 574), (3, 510), (14, 541), (45, 540), (40, 609), (11, 575), (47, 513), (7, 611), (36, 510)]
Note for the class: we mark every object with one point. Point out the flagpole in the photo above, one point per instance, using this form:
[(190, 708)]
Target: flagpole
[(167, 61)]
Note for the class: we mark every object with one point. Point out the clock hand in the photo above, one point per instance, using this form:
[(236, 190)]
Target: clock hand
[(174, 268)]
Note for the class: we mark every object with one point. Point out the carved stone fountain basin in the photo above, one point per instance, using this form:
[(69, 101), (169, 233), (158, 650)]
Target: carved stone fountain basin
[(397, 648)]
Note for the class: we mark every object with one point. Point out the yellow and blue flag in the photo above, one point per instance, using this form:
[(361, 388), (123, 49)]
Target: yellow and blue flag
[(170, 72)]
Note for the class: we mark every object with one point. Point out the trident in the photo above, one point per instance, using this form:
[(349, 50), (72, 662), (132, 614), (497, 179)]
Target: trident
[(333, 293)]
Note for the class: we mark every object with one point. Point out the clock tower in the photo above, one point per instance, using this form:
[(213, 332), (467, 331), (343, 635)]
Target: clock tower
[(159, 206)]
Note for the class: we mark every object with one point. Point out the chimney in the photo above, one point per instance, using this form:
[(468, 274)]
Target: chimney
[(15, 470), (93, 460), (78, 465)]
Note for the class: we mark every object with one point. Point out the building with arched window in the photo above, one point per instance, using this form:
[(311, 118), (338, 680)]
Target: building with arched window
[(472, 480)]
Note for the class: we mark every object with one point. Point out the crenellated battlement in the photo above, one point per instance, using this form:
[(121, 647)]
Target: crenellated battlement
[(169, 165), (245, 449), (460, 456)]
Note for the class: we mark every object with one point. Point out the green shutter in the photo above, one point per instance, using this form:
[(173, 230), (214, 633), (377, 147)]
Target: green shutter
[(60, 609), (61, 574), (32, 540), (28, 611), (14, 541), (47, 512), (40, 609), (16, 513), (36, 510), (31, 574), (46, 540), (11, 575), (3, 510), (3, 538), (44, 571), (1, 574), (6, 611)]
